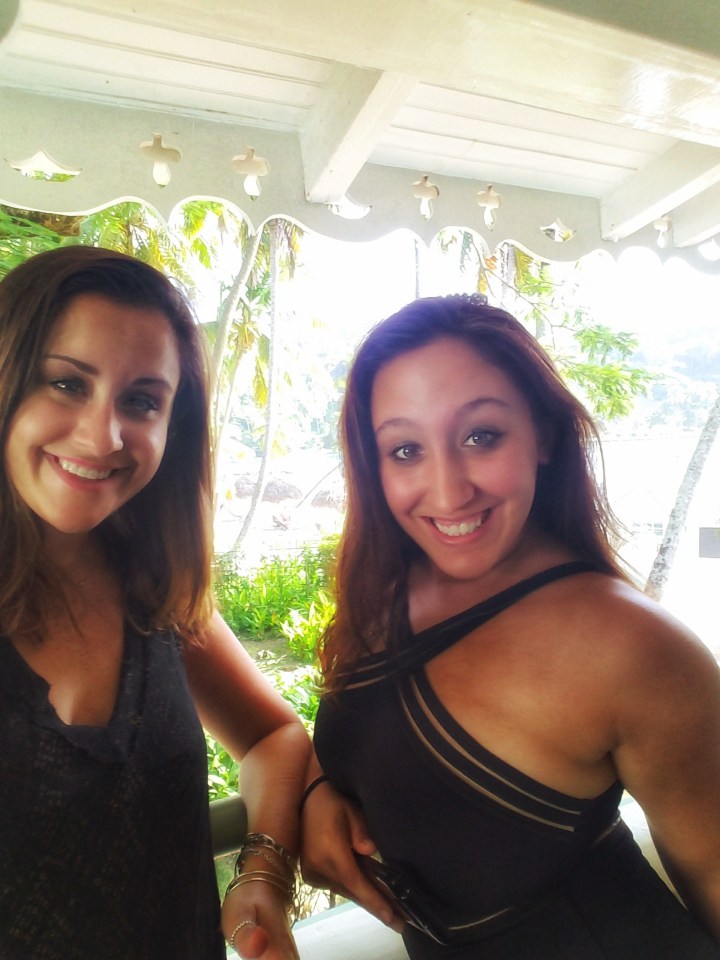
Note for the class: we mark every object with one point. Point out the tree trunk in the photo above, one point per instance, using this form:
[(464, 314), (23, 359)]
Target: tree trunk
[(274, 233), (676, 522), (227, 315)]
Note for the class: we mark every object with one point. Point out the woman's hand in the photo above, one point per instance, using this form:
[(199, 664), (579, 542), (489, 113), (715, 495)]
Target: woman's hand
[(332, 830), (256, 924)]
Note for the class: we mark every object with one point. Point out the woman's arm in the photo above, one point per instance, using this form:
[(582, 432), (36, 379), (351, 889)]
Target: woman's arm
[(332, 829), (668, 756), (237, 705)]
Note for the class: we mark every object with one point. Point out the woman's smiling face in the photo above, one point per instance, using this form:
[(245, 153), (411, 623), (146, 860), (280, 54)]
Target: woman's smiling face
[(458, 452), (92, 432)]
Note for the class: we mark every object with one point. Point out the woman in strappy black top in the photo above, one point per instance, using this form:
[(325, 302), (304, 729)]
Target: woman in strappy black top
[(494, 682)]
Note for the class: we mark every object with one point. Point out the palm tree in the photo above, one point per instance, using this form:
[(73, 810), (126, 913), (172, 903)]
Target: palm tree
[(266, 257), (23, 233), (275, 235), (132, 228), (660, 570)]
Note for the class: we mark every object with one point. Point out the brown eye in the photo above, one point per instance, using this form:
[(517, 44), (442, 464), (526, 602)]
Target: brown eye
[(142, 403), (405, 452), (482, 438), (67, 385)]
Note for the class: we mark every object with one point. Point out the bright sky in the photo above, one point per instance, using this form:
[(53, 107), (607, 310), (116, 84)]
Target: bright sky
[(350, 286), (668, 301)]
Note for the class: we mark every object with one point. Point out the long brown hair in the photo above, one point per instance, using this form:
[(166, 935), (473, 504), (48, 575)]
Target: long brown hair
[(160, 541), (375, 554)]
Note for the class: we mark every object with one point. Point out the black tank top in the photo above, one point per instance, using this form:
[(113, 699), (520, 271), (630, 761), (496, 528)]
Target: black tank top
[(104, 831)]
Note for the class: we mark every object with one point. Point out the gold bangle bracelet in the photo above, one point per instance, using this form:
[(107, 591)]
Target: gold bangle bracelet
[(263, 840), (260, 876), (272, 857)]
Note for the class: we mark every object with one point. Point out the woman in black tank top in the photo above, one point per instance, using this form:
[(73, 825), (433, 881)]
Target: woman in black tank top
[(111, 654), (494, 681)]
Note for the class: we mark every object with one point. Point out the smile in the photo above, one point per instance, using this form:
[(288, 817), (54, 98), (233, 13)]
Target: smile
[(85, 472), (463, 528)]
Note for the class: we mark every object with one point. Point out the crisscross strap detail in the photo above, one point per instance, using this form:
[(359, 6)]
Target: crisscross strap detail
[(483, 773), (428, 643)]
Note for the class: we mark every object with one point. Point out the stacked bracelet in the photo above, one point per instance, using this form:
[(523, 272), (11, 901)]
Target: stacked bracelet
[(283, 878), (263, 840), (247, 852), (263, 876)]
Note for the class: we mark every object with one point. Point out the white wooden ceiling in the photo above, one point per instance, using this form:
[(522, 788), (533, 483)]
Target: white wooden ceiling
[(602, 114)]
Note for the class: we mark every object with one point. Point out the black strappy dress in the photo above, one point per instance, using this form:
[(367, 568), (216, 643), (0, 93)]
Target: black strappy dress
[(515, 869)]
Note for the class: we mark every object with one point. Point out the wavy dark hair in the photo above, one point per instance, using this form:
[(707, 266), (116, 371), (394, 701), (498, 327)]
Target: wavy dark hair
[(374, 552), (160, 541)]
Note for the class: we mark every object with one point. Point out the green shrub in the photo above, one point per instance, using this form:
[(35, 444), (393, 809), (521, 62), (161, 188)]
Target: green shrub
[(301, 688), (303, 630), (285, 598), (259, 603), (222, 770)]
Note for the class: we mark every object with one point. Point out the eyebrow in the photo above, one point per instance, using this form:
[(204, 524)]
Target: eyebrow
[(94, 372), (469, 407)]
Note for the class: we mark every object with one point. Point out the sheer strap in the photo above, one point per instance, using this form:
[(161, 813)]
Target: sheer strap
[(428, 643)]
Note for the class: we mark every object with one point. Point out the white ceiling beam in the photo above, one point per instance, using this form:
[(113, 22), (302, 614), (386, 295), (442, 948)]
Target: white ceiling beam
[(353, 109), (698, 220), (680, 174)]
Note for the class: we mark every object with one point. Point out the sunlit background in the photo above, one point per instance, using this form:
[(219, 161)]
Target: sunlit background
[(341, 289)]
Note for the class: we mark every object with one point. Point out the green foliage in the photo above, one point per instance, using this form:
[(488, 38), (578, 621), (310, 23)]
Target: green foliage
[(285, 597), (300, 686), (222, 770), (535, 286), (611, 388), (281, 587), (604, 371), (600, 343), (303, 631), (596, 358), (22, 235), (589, 354), (132, 228), (129, 227)]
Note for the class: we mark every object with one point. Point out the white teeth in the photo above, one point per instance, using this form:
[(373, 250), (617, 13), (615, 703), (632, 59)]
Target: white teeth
[(459, 529), (85, 472)]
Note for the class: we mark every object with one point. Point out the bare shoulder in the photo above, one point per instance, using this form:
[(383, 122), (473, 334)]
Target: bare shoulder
[(623, 620), (640, 648)]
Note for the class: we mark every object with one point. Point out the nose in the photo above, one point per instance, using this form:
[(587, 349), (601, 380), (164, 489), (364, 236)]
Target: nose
[(452, 488), (99, 429)]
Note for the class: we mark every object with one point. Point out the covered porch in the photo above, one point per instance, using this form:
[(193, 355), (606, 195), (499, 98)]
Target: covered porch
[(564, 126)]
